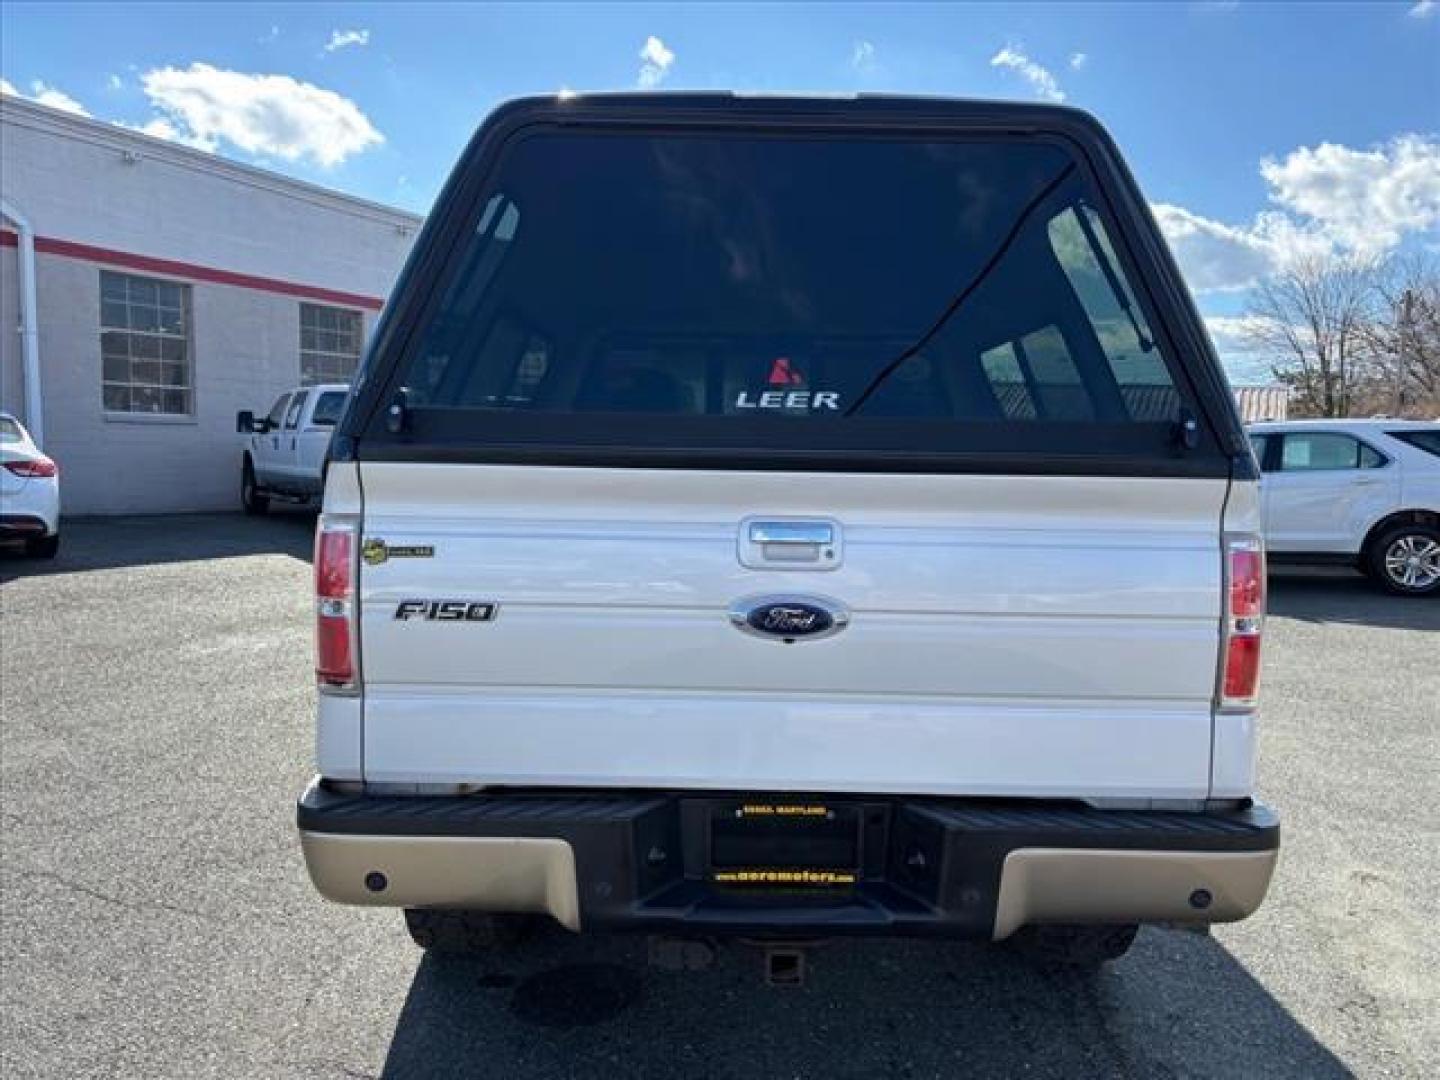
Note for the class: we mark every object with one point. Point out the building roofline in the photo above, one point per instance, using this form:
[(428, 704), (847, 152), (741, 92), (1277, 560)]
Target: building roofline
[(29, 114)]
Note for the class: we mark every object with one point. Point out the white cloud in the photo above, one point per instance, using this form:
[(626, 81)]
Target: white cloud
[(1078, 60), (341, 39), (1366, 200), (862, 57), (1237, 331), (1215, 257), (1329, 198), (1291, 239), (114, 82), (1040, 79), (160, 128), (1236, 334), (1422, 9), (655, 64), (44, 94), (1245, 359), (273, 115)]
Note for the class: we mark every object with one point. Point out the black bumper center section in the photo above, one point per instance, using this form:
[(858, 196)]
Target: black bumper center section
[(787, 865)]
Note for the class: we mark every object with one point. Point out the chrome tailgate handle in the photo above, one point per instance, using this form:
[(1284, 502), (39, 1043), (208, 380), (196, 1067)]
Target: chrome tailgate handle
[(793, 544), (792, 532)]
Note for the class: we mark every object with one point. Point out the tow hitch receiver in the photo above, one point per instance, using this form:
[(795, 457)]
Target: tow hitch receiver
[(784, 965), (783, 961)]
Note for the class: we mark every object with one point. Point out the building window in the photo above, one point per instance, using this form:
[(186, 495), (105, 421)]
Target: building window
[(329, 344), (145, 345)]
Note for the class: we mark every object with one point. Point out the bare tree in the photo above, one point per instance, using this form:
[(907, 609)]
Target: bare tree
[(1403, 336), (1314, 316)]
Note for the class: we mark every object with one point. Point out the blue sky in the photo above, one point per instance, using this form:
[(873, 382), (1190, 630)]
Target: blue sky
[(1342, 101)]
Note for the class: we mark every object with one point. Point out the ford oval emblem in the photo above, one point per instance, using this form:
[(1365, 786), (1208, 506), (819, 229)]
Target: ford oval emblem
[(789, 618)]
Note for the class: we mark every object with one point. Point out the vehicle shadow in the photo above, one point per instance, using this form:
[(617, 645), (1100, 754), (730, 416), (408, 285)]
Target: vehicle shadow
[(1179, 1004), (113, 542), (1345, 596)]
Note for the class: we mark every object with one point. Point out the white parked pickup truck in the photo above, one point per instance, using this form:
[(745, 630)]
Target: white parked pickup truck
[(781, 518), (284, 453)]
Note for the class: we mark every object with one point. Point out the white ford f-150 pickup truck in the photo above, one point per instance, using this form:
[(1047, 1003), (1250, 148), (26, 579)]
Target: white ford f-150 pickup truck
[(285, 450), (784, 518)]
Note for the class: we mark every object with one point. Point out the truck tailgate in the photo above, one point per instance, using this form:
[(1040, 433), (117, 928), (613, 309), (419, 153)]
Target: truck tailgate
[(1007, 635)]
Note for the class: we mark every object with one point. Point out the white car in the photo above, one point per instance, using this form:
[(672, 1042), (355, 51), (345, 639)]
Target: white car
[(29, 491), (779, 518), (1360, 492), (285, 450)]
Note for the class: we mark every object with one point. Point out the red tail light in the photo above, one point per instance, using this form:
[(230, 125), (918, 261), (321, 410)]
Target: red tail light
[(335, 580), (1244, 621), (41, 466)]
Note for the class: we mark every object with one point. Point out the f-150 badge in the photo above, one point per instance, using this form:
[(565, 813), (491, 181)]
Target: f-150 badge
[(447, 610)]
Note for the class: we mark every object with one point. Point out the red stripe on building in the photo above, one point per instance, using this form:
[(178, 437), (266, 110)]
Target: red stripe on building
[(192, 271)]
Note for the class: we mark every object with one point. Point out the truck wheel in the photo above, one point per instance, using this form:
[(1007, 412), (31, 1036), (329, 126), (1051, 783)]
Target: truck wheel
[(1074, 947), (443, 931), (44, 547), (1405, 560), (252, 498)]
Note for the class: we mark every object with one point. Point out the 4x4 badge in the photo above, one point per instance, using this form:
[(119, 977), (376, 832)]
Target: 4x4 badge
[(375, 551)]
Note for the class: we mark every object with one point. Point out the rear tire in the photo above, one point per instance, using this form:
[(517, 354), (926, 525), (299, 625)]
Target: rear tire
[(1405, 560), (1074, 948), (438, 930), (44, 547), (254, 500)]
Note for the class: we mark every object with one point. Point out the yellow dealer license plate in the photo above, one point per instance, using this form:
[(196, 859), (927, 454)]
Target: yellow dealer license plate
[(785, 845)]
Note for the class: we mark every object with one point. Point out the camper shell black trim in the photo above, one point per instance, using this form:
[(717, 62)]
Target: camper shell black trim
[(1220, 448)]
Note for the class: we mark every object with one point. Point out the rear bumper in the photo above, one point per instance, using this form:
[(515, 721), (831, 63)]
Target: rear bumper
[(23, 526), (925, 867), (31, 507)]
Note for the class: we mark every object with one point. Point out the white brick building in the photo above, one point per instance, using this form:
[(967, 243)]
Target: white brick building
[(172, 288)]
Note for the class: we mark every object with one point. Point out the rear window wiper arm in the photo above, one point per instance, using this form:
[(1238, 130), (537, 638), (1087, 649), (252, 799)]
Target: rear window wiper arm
[(967, 291)]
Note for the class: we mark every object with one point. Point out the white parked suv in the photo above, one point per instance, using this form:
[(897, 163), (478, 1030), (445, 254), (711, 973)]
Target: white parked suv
[(1361, 492), (284, 453), (29, 492), (782, 518)]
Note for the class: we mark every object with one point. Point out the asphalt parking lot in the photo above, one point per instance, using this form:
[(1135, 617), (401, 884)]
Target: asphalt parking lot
[(155, 698)]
